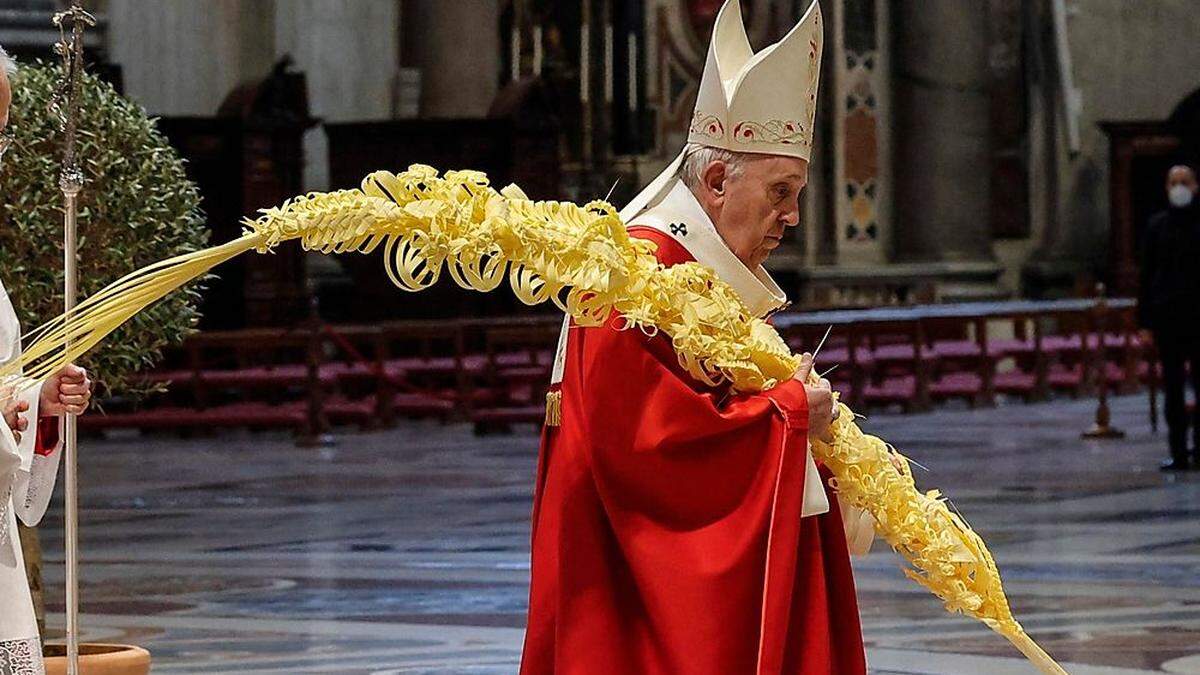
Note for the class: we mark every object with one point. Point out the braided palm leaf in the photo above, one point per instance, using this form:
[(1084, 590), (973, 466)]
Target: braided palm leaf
[(582, 260)]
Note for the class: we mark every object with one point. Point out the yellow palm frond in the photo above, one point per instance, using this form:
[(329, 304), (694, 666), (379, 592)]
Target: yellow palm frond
[(582, 260)]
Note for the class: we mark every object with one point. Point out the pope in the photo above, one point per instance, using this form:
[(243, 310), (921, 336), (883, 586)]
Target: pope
[(682, 528)]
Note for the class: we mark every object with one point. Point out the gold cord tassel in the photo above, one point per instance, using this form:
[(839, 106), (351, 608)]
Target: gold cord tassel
[(582, 260), (553, 408)]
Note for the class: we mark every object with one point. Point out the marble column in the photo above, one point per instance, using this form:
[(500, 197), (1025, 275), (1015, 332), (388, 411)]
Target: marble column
[(350, 54), (182, 57), (860, 93), (941, 132), (456, 45)]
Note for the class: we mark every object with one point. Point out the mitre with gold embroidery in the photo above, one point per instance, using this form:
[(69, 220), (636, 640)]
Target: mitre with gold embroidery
[(761, 102)]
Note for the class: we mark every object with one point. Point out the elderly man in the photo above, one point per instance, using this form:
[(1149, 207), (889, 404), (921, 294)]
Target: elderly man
[(29, 456), (1169, 305), (682, 528)]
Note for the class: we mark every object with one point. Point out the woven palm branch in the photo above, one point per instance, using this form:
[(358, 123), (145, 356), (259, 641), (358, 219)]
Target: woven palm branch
[(582, 260)]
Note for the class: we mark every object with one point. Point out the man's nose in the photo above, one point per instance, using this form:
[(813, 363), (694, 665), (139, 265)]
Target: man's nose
[(791, 218)]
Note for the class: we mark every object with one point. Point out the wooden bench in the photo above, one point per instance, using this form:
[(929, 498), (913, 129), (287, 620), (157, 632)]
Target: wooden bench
[(260, 378), (914, 356), (494, 372)]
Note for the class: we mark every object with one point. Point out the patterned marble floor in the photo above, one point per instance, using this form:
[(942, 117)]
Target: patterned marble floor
[(406, 551)]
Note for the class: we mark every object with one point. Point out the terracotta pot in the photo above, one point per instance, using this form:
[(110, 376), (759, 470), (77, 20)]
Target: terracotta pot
[(100, 659)]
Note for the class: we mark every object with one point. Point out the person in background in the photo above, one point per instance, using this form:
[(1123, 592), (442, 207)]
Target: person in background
[(1169, 306)]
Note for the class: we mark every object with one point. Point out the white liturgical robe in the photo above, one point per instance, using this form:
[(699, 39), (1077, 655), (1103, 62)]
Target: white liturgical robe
[(27, 473)]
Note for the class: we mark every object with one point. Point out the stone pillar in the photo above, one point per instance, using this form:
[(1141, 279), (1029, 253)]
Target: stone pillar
[(182, 57), (859, 92), (941, 132), (456, 45), (350, 54)]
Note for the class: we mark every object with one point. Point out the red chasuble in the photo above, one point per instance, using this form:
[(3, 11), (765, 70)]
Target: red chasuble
[(667, 535)]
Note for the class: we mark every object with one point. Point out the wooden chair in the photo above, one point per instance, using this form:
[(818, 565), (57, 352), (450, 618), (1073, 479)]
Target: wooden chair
[(426, 367), (964, 366), (518, 363), (902, 363), (1027, 378)]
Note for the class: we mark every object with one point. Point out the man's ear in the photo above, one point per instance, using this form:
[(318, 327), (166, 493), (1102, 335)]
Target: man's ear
[(713, 180)]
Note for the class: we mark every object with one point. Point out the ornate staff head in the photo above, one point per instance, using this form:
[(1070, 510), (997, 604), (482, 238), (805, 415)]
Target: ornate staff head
[(65, 103)]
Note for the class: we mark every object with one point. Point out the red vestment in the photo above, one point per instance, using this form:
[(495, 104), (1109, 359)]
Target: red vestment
[(667, 535)]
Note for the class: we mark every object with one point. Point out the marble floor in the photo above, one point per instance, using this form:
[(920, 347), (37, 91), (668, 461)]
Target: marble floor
[(405, 551)]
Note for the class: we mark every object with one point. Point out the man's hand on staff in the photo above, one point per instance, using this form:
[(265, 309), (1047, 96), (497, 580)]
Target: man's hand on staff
[(67, 391), (821, 411), (14, 412)]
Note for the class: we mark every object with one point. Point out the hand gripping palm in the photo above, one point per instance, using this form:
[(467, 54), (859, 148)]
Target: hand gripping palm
[(581, 259)]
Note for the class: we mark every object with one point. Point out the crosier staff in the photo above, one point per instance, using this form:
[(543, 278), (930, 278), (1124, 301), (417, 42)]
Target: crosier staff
[(65, 105)]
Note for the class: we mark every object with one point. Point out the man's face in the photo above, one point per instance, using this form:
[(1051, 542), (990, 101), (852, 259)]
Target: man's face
[(752, 208), (1181, 175)]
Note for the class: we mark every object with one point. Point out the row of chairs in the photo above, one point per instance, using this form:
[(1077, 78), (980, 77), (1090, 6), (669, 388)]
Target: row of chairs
[(494, 372), (316, 376), (913, 359)]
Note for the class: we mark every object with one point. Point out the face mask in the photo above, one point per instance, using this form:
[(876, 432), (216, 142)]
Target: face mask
[(1180, 196)]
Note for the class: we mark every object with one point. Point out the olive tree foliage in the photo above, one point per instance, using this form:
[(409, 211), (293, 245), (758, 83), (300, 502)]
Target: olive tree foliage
[(137, 207)]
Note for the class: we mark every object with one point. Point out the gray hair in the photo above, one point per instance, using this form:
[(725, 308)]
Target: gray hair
[(7, 62), (696, 157)]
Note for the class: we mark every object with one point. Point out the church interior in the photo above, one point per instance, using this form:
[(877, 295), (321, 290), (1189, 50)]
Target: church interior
[(298, 467)]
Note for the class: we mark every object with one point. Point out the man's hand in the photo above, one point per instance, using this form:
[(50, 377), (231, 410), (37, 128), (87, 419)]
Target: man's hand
[(67, 391), (820, 400), (14, 413)]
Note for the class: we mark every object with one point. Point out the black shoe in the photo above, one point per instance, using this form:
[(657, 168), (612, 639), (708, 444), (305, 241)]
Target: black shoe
[(1176, 464)]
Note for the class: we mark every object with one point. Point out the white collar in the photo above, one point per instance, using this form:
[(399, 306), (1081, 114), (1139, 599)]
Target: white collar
[(680, 216)]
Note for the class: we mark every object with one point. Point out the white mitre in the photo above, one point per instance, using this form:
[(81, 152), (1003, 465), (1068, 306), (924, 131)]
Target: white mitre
[(764, 102)]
